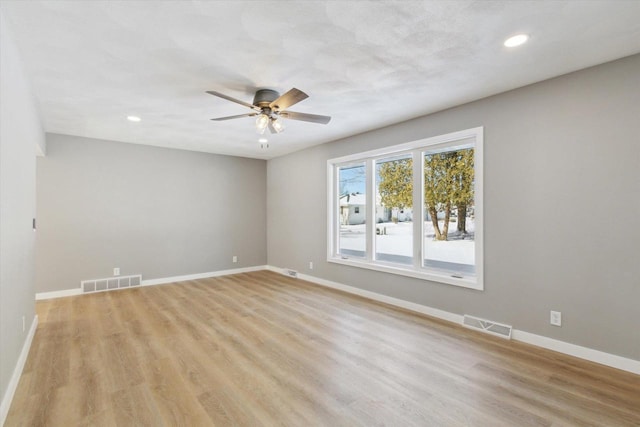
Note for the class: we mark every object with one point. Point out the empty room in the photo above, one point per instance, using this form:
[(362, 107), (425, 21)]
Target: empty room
[(319, 213)]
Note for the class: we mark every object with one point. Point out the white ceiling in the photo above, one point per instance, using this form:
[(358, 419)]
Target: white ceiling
[(367, 64)]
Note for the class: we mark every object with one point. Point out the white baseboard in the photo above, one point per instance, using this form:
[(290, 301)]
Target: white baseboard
[(440, 314), (153, 282), (607, 359), (17, 372), (58, 294), (164, 280), (586, 353)]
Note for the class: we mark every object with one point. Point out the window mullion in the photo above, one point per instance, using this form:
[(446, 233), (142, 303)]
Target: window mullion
[(370, 225), (418, 214), (334, 209)]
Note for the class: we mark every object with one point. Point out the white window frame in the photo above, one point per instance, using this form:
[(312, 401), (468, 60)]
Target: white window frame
[(416, 148)]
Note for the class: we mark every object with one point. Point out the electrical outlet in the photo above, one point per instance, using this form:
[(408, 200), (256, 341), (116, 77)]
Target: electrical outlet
[(556, 318), (116, 271), (235, 258), (310, 265)]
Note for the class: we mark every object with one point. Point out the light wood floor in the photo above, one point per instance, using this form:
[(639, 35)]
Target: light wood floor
[(264, 349)]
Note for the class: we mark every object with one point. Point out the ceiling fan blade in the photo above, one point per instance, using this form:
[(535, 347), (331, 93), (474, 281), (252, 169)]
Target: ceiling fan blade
[(313, 118), (288, 99), (220, 119), (228, 98)]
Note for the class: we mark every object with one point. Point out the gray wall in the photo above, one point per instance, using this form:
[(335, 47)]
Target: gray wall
[(20, 133), (148, 210), (562, 208)]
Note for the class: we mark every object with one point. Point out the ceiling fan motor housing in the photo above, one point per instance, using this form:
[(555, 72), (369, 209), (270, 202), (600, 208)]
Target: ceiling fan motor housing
[(264, 97)]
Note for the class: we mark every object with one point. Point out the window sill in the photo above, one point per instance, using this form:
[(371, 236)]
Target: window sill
[(464, 282)]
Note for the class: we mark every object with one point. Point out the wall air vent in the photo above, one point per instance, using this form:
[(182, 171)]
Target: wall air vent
[(291, 273), (110, 283), (487, 326)]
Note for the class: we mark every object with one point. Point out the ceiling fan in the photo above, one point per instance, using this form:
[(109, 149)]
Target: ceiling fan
[(271, 108)]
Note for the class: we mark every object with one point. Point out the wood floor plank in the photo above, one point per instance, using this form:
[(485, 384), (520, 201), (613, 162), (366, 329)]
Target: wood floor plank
[(177, 405), (136, 406), (264, 349)]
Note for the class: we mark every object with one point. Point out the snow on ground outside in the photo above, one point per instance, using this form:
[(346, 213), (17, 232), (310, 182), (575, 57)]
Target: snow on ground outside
[(398, 240)]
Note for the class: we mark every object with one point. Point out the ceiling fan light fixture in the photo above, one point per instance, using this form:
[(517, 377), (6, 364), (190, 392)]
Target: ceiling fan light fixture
[(261, 123), (278, 125)]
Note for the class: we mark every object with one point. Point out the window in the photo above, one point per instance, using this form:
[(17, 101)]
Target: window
[(413, 209), (449, 231), (394, 190), (351, 220)]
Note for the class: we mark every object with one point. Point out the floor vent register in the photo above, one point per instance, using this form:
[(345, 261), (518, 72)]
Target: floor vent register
[(110, 283)]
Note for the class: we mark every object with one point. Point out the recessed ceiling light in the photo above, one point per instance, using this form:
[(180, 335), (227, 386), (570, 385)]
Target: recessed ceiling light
[(263, 140), (516, 40), (133, 118)]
